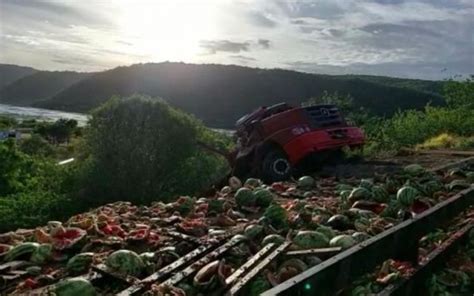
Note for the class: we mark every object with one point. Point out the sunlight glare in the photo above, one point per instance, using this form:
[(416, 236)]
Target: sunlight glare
[(168, 30)]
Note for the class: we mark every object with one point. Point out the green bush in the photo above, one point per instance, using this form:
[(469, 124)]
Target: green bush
[(36, 145), (31, 208), (411, 127), (33, 189), (144, 150)]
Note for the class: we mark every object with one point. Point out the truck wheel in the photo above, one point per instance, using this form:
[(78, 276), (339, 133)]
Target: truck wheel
[(275, 166)]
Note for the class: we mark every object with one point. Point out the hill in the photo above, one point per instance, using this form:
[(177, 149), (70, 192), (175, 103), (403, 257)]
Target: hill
[(428, 86), (40, 85), (11, 73), (220, 94)]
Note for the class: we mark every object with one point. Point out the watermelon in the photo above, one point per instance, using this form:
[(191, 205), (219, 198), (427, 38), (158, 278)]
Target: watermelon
[(339, 222), (457, 172), (362, 224), (407, 195), (414, 169), (360, 236), (306, 182), (360, 193), (235, 183), (126, 262), (391, 185), (392, 209), (244, 197), (430, 187), (344, 195), (226, 190), (380, 194), (215, 205), (21, 250), (327, 231), (252, 183), (42, 254), (458, 185), (307, 239), (366, 183), (344, 241), (276, 216), (470, 177), (73, 287), (273, 238), (263, 197), (184, 205), (253, 231), (343, 187), (80, 263)]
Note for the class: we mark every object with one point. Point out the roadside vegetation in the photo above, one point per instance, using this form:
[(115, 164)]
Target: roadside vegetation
[(141, 149)]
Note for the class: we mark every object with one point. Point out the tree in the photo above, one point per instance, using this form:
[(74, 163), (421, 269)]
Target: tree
[(138, 146), (59, 131), (460, 93), (345, 103), (36, 145)]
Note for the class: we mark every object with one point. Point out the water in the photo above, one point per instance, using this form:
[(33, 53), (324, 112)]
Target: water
[(41, 114), (53, 115)]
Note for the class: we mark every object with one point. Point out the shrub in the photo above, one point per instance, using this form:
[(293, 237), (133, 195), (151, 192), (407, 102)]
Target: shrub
[(144, 150), (36, 145), (31, 208)]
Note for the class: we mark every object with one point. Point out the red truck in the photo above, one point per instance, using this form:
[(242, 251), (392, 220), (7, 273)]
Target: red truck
[(271, 141)]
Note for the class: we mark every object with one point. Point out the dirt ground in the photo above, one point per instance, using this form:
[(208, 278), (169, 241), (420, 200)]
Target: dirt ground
[(361, 168)]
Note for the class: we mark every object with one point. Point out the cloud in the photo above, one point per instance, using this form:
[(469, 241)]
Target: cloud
[(215, 46), (260, 19), (243, 59), (412, 38), (264, 43), (415, 70)]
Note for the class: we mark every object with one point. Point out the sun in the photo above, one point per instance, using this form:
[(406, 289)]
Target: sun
[(166, 30)]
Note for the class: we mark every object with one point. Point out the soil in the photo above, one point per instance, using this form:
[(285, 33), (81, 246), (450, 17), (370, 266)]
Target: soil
[(360, 168)]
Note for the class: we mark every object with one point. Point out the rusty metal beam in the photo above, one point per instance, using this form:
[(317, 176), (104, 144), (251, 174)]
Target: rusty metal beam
[(241, 270), (339, 271), (252, 273), (455, 164), (415, 285), (318, 252), (163, 272), (203, 261)]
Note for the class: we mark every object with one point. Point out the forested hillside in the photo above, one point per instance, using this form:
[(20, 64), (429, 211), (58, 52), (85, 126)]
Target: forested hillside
[(219, 94), (11, 73), (429, 86), (38, 86)]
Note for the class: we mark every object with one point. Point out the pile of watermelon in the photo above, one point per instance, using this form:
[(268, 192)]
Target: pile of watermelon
[(133, 241)]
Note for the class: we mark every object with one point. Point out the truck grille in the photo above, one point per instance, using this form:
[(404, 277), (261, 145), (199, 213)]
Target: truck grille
[(324, 116)]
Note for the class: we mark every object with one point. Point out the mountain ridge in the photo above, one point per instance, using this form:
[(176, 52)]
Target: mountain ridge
[(219, 94)]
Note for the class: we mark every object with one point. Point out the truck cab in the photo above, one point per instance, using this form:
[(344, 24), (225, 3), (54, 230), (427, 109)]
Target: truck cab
[(271, 141)]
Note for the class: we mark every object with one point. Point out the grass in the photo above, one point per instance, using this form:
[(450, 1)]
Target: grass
[(447, 141)]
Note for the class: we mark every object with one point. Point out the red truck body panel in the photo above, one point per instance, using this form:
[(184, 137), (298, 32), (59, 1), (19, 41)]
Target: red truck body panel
[(297, 131)]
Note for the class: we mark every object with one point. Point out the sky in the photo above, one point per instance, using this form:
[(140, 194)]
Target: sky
[(428, 39)]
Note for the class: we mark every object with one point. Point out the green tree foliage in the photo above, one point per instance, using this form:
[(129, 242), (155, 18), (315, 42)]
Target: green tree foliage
[(460, 94), (32, 189), (411, 127), (144, 150), (36, 145), (59, 131), (7, 122)]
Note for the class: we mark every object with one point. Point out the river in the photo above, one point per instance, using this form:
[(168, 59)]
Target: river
[(53, 115), (41, 114)]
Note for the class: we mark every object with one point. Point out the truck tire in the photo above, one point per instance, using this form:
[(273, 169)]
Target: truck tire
[(275, 166)]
